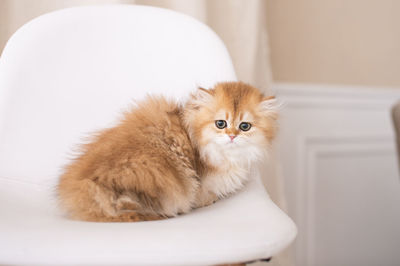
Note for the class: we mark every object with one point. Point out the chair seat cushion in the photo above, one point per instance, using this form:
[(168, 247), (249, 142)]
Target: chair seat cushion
[(244, 227)]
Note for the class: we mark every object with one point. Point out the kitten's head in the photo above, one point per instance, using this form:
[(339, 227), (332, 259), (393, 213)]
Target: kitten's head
[(232, 121)]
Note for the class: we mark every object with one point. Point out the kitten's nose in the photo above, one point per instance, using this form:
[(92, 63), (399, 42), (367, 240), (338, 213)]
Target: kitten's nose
[(232, 137)]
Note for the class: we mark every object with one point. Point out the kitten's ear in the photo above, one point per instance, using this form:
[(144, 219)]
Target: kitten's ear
[(269, 106), (204, 94), (201, 97)]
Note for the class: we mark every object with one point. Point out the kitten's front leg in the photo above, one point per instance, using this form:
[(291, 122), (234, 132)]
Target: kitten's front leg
[(205, 197)]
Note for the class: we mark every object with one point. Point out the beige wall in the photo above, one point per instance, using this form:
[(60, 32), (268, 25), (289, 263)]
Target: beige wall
[(335, 41)]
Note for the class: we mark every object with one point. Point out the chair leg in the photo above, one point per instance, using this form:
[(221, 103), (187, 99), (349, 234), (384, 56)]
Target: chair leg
[(234, 264), (245, 263)]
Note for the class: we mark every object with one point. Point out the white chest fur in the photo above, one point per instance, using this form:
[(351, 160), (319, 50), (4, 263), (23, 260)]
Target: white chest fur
[(225, 182), (231, 168)]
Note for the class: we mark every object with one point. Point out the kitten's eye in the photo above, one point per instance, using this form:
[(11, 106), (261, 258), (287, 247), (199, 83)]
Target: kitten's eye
[(244, 126), (220, 124)]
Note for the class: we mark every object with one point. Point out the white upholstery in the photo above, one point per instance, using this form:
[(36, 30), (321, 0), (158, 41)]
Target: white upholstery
[(71, 72)]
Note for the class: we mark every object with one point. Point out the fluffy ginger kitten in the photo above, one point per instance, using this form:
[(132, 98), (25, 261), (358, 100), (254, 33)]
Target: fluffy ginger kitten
[(164, 159)]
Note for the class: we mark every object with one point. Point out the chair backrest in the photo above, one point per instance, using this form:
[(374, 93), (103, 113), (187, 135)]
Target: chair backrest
[(72, 72)]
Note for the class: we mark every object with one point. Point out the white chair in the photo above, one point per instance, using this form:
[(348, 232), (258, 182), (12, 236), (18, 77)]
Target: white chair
[(71, 72)]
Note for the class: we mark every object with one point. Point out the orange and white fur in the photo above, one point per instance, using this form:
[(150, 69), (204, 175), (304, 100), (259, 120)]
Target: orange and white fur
[(165, 158)]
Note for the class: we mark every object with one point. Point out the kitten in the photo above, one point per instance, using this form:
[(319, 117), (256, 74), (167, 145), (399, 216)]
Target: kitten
[(164, 159)]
